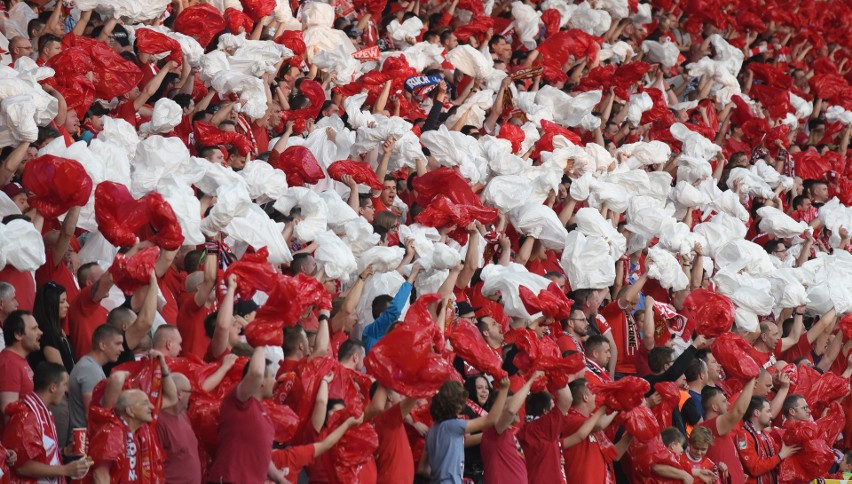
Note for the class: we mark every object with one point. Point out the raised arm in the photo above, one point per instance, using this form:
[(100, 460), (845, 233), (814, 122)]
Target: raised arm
[(481, 423), (137, 331), (224, 320), (727, 422), (254, 378), (513, 405), (584, 430)]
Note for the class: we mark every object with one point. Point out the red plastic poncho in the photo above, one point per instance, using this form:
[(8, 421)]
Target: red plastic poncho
[(360, 171), (311, 292), (237, 21), (131, 273), (775, 100), (814, 459), (810, 165), (442, 212), (710, 312), (284, 419), (254, 272), (624, 394), (470, 346), (846, 325), (478, 27), (153, 42), (671, 399), (113, 75), (316, 95), (355, 448), (550, 301), (512, 133), (827, 388), (641, 423), (450, 183), (202, 22), (733, 353), (299, 164), (57, 184), (549, 131)]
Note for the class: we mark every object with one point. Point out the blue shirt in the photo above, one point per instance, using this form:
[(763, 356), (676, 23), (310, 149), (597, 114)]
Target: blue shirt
[(445, 448), (376, 330), (696, 397)]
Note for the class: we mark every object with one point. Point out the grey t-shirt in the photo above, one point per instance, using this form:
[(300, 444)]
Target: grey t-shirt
[(85, 375), (445, 447)]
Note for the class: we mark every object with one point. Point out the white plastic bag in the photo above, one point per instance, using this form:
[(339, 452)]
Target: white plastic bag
[(590, 222), (383, 259), (258, 230), (507, 192), (231, 201), (155, 157), (587, 263), (265, 183), (334, 256), (665, 53), (663, 267), (21, 246), (541, 222), (777, 223), (506, 280)]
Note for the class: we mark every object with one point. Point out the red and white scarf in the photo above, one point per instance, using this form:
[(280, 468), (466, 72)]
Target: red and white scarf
[(49, 440)]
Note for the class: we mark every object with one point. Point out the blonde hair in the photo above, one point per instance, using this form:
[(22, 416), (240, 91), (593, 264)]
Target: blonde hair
[(701, 435)]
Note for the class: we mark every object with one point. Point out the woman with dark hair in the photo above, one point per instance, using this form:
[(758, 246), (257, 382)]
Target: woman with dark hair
[(478, 405), (49, 310), (445, 440)]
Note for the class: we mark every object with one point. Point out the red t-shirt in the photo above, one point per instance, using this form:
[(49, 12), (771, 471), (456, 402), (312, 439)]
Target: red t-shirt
[(17, 376), (584, 462), (540, 441), (567, 343), (166, 284), (617, 320), (244, 448), (182, 464), (59, 274), (766, 359), (394, 462), (190, 323), (502, 457), (542, 267), (84, 316), (24, 283), (704, 463), (802, 348), (126, 111), (724, 450), (291, 461)]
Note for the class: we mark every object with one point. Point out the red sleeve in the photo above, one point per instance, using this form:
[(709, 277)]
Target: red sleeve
[(294, 458), (548, 426), (23, 436), (446, 18), (572, 423)]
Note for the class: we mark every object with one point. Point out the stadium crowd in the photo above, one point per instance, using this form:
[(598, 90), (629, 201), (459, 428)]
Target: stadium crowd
[(249, 241)]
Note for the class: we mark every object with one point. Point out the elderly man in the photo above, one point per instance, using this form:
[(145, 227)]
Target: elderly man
[(182, 465), (8, 303)]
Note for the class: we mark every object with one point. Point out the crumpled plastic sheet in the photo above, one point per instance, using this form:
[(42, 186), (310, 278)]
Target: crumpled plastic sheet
[(587, 262), (21, 246), (506, 281)]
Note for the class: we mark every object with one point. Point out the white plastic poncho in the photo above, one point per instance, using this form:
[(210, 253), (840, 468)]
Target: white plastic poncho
[(749, 183), (751, 295), (771, 176), (155, 158), (167, 114), (333, 256), (471, 62), (258, 230), (359, 236), (694, 144), (383, 259), (592, 224), (677, 238), (186, 206), (401, 33), (665, 53), (638, 104), (568, 110), (265, 183), (314, 212), (526, 21), (318, 34), (745, 256), (589, 20), (787, 289), (587, 263), (506, 280), (21, 246), (231, 201), (507, 192), (339, 64), (777, 223), (663, 267), (473, 109), (339, 212), (541, 222), (720, 230), (121, 133)]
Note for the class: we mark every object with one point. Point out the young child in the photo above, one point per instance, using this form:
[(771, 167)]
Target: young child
[(695, 456)]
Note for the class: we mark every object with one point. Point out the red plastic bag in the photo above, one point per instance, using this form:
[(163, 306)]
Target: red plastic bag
[(208, 135), (257, 9), (810, 165), (202, 22), (57, 184), (551, 301), (441, 212), (827, 388), (771, 75), (311, 292), (551, 20), (284, 419), (558, 369), (733, 353), (131, 273), (774, 99), (299, 164), (168, 234), (113, 75), (641, 423), (238, 22), (814, 459), (283, 308), (470, 346), (645, 453), (831, 425), (405, 360), (359, 170), (153, 42), (450, 183), (671, 398), (549, 131), (512, 133), (355, 448), (557, 48), (119, 216), (624, 394), (477, 27), (846, 325), (712, 312), (316, 95), (473, 6), (660, 111), (254, 272)]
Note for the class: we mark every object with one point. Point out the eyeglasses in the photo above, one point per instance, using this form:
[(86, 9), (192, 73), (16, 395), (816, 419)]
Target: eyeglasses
[(577, 319)]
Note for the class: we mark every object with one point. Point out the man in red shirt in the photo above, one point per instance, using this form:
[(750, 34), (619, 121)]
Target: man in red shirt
[(769, 346), (589, 301), (722, 422), (394, 461), (539, 437), (21, 335), (575, 330), (86, 312), (591, 459), (759, 452), (598, 354), (31, 431), (625, 330), (182, 464), (196, 304)]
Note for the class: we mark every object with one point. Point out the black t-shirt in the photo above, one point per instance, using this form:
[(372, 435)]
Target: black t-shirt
[(53, 338)]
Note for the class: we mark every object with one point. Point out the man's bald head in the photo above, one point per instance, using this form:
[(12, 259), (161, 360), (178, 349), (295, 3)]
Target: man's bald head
[(20, 47)]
